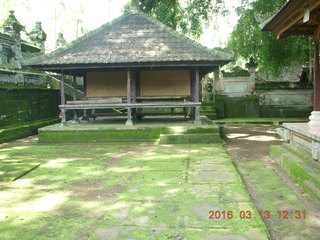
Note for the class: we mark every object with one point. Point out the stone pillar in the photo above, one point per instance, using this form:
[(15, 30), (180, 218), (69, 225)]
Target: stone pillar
[(252, 68)]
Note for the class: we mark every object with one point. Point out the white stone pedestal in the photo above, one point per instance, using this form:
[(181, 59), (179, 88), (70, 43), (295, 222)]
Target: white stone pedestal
[(315, 118)]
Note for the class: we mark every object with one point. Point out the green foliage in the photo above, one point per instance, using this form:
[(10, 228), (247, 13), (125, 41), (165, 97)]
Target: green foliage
[(189, 17), (271, 54)]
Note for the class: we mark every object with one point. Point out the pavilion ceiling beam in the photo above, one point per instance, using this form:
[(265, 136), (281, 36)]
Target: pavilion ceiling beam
[(295, 17)]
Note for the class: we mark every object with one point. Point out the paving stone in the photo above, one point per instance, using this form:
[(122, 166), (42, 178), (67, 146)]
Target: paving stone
[(212, 177), (174, 200), (160, 177), (231, 192)]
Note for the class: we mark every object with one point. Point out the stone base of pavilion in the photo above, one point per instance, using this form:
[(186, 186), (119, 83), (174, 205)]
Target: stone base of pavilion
[(163, 130), (304, 136), (299, 156)]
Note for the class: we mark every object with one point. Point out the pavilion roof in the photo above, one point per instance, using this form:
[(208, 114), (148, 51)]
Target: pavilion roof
[(290, 19), (132, 39)]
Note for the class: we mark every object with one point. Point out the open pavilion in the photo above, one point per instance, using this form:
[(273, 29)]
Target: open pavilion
[(134, 62)]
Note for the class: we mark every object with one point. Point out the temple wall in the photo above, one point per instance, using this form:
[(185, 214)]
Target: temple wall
[(106, 84)]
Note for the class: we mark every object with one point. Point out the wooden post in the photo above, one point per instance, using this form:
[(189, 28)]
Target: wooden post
[(74, 85), (315, 115), (137, 93), (134, 94), (63, 100), (196, 96), (129, 114), (134, 90)]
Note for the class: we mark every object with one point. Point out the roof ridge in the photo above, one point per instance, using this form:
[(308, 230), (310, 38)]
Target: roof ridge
[(181, 35)]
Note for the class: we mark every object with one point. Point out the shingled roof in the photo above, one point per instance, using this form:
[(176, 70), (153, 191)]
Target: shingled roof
[(130, 39)]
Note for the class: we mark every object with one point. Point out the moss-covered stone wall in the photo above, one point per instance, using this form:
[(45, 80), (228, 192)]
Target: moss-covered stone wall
[(266, 104), (20, 105), (237, 107)]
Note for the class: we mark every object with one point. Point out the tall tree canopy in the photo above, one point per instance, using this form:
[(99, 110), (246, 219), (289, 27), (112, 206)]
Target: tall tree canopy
[(271, 54), (188, 16)]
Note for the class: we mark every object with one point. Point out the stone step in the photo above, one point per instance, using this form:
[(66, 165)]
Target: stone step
[(203, 138), (301, 154), (299, 165), (116, 134)]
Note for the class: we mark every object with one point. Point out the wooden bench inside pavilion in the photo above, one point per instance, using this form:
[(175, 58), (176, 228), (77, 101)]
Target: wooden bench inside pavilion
[(133, 63)]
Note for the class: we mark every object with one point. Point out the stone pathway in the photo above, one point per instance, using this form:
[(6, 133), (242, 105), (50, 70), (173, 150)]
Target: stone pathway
[(294, 214), (176, 192)]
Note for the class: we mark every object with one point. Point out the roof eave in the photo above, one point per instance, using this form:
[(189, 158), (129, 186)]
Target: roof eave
[(289, 11), (90, 67)]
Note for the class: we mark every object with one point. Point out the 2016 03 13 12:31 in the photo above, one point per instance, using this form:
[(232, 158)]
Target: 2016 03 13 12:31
[(247, 214)]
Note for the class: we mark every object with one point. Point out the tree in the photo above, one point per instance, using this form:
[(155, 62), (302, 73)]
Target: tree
[(271, 54), (187, 16)]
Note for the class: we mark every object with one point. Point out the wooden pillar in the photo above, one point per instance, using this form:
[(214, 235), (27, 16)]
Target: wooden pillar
[(316, 93), (137, 83), (63, 99), (315, 115), (134, 89), (74, 85), (196, 96), (134, 94), (129, 113)]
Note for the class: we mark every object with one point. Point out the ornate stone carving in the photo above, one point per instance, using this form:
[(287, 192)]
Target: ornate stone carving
[(38, 36), (252, 68), (13, 28), (61, 42)]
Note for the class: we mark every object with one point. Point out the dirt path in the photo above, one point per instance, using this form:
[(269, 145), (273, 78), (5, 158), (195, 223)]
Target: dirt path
[(271, 189)]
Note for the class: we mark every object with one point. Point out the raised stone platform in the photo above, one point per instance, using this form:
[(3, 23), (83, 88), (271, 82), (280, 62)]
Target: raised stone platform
[(111, 130), (302, 135)]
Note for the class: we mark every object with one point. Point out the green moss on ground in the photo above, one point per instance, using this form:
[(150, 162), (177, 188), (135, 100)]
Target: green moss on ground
[(274, 196), (164, 202), (140, 191), (66, 197)]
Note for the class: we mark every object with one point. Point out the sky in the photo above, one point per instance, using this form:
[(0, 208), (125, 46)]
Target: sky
[(73, 17)]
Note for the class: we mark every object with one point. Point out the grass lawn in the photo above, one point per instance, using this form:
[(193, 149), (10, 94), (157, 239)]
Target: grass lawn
[(120, 191)]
